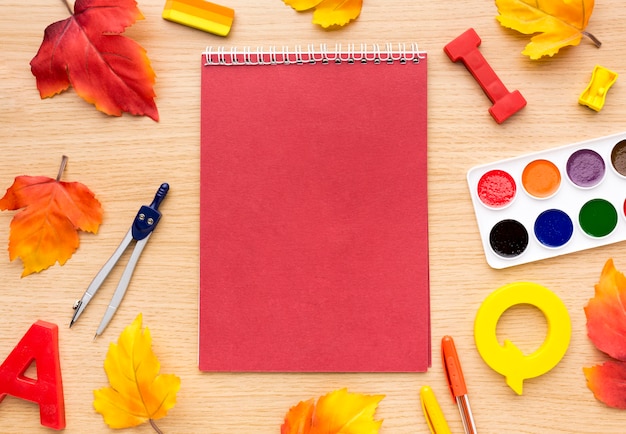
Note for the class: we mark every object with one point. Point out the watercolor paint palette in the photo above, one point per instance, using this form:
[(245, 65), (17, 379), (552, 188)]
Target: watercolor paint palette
[(552, 202)]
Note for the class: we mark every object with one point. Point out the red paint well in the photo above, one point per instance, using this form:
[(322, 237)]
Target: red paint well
[(496, 189)]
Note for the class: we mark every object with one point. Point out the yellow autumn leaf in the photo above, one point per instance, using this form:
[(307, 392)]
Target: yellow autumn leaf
[(138, 393), (558, 23), (338, 412), (329, 13)]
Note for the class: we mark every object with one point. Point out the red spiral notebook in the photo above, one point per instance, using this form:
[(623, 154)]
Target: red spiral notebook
[(313, 206)]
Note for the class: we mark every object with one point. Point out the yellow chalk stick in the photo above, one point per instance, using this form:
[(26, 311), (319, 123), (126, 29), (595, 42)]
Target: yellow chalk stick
[(200, 14)]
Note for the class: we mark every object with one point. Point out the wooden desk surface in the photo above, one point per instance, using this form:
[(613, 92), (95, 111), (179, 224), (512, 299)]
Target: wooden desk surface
[(124, 160)]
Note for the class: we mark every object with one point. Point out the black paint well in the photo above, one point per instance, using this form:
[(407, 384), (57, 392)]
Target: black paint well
[(508, 238)]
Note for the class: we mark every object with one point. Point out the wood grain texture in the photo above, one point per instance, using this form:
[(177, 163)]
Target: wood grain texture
[(123, 160)]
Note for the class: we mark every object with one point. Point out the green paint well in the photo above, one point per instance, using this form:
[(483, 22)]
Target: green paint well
[(597, 218)]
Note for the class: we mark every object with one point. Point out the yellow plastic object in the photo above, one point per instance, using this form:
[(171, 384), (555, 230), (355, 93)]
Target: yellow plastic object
[(200, 14), (509, 360), (432, 412), (595, 93)]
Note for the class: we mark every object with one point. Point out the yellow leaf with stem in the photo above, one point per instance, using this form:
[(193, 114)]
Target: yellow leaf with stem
[(329, 13), (557, 23), (138, 393)]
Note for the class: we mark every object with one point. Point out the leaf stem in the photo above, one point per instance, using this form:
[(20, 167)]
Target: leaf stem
[(62, 168), (156, 428), (595, 40), (68, 6)]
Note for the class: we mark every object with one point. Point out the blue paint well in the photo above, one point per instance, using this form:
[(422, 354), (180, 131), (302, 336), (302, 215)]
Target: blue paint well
[(553, 228)]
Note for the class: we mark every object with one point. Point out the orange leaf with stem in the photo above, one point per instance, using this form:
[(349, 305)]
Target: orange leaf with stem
[(606, 313), (606, 327), (88, 52), (338, 412), (52, 211)]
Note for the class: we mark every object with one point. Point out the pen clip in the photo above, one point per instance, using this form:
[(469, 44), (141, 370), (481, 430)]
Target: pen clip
[(452, 368)]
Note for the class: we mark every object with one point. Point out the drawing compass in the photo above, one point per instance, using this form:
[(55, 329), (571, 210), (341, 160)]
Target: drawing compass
[(144, 223)]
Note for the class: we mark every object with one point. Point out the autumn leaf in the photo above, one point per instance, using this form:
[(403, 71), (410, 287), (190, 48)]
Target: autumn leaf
[(606, 327), (558, 23), (606, 317), (88, 52), (608, 382), (138, 393), (45, 230), (329, 13), (338, 412)]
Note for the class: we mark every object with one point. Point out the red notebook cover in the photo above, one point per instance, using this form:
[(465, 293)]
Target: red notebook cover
[(313, 229)]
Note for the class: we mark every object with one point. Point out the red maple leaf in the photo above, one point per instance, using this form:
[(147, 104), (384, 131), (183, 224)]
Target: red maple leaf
[(606, 327), (104, 67)]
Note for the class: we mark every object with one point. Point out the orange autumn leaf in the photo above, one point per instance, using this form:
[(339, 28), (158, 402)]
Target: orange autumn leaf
[(138, 393), (88, 52), (45, 230), (608, 382), (556, 23), (338, 412), (329, 13), (606, 327)]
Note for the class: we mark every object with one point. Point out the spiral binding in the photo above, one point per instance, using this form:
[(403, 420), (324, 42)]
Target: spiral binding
[(285, 56)]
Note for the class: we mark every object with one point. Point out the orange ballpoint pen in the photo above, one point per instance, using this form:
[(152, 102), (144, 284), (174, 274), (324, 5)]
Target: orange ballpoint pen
[(456, 382)]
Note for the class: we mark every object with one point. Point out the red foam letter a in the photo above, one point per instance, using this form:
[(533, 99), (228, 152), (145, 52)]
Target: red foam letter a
[(40, 344)]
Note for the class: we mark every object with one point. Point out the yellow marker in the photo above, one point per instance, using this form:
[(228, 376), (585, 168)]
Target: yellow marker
[(200, 14), (434, 416), (509, 360), (595, 93)]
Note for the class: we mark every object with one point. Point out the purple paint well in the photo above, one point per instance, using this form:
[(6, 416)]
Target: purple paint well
[(585, 168)]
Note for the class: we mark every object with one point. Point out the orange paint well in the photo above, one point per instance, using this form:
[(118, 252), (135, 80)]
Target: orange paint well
[(541, 178)]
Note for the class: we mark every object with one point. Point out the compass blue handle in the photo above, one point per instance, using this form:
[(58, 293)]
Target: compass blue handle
[(148, 216), (160, 195)]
